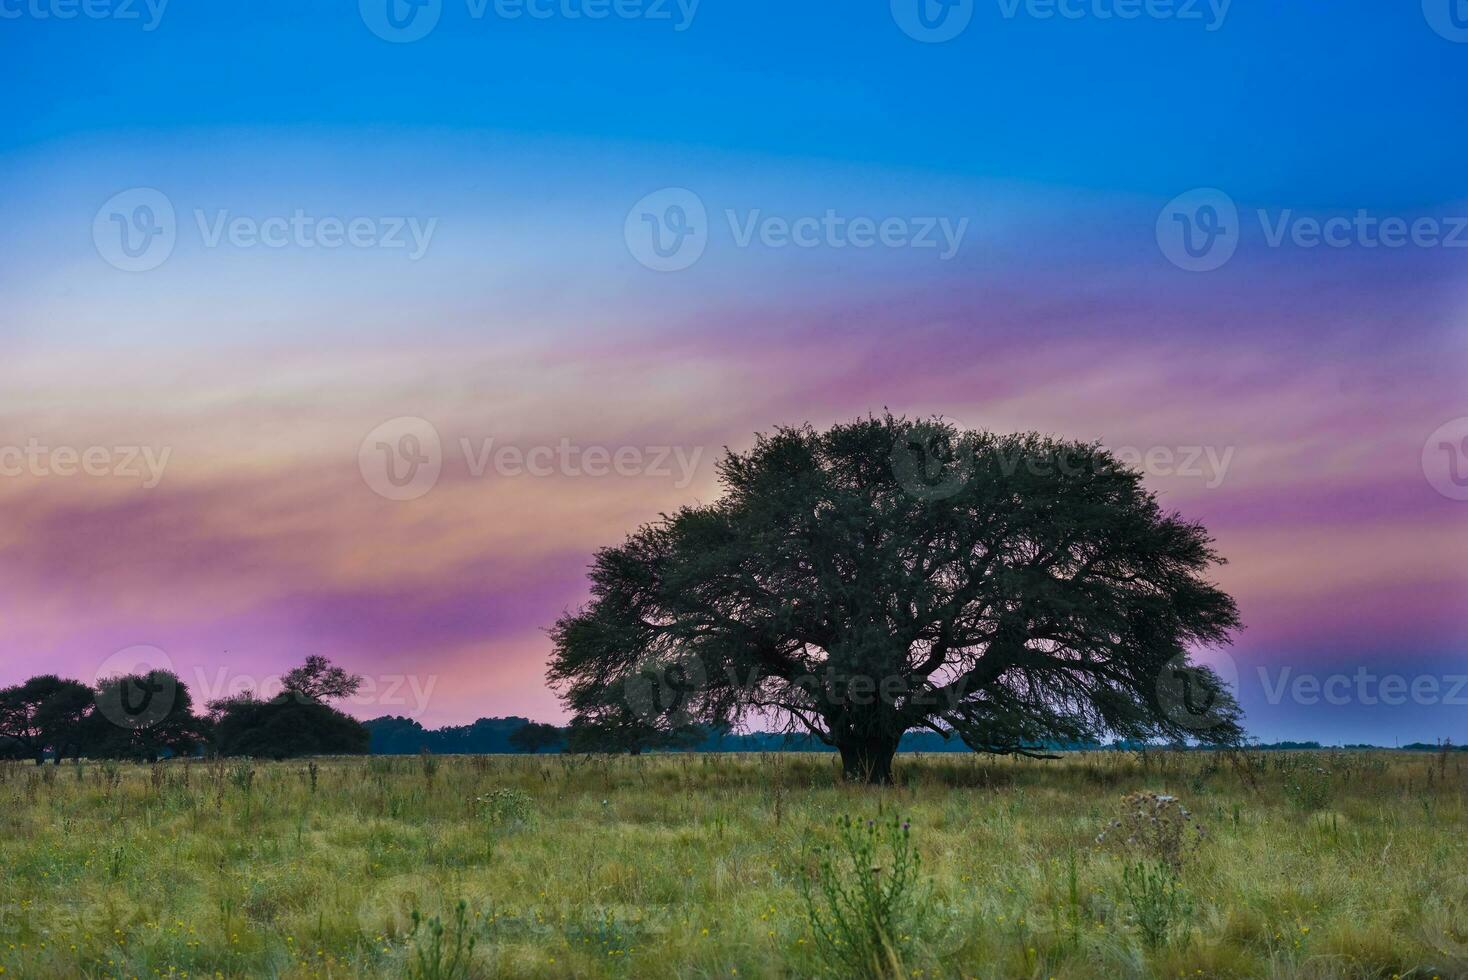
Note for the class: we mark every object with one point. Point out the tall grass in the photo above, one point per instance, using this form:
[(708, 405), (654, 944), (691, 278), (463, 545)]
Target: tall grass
[(692, 866)]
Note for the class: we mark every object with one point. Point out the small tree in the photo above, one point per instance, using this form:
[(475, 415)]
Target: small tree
[(46, 713), (284, 727), (142, 716), (297, 722), (318, 679), (536, 736)]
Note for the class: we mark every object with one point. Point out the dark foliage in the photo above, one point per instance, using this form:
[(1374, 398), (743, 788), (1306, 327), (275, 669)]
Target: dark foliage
[(396, 735), (536, 736), (45, 714), (285, 727), (885, 576), (144, 717)]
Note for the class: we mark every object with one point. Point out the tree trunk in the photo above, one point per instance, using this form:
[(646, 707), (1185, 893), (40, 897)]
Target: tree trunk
[(868, 761)]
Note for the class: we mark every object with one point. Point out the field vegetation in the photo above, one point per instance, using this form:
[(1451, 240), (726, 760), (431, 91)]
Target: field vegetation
[(1168, 864)]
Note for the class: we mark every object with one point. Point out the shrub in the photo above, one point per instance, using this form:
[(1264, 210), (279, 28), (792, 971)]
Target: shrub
[(286, 727), (863, 900), (1156, 827), (506, 806), (1156, 900), (1309, 789)]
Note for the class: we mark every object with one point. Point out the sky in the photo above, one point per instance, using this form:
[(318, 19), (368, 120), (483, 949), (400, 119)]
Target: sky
[(354, 328)]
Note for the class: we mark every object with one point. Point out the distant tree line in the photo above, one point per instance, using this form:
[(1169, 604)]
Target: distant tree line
[(151, 715)]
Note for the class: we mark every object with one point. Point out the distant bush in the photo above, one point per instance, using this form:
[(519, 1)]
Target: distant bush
[(284, 728), (504, 806), (1309, 788)]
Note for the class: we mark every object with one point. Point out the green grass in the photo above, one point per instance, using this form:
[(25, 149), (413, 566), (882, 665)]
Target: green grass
[(690, 866)]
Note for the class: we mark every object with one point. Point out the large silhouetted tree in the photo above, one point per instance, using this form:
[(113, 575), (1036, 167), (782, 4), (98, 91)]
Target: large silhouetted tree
[(886, 575)]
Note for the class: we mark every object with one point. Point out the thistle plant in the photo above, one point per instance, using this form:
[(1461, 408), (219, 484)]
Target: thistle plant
[(1156, 900), (863, 900), (438, 955), (1155, 827)]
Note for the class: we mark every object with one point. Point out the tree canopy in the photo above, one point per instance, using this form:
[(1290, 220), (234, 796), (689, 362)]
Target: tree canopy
[(318, 679), (45, 713), (145, 716), (296, 722), (887, 575), (534, 736)]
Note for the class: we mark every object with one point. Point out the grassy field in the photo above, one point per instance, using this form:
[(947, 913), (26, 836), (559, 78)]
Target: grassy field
[(1309, 865)]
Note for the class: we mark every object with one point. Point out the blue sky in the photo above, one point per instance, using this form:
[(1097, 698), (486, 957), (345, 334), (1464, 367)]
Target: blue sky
[(1356, 104), (1328, 375)]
